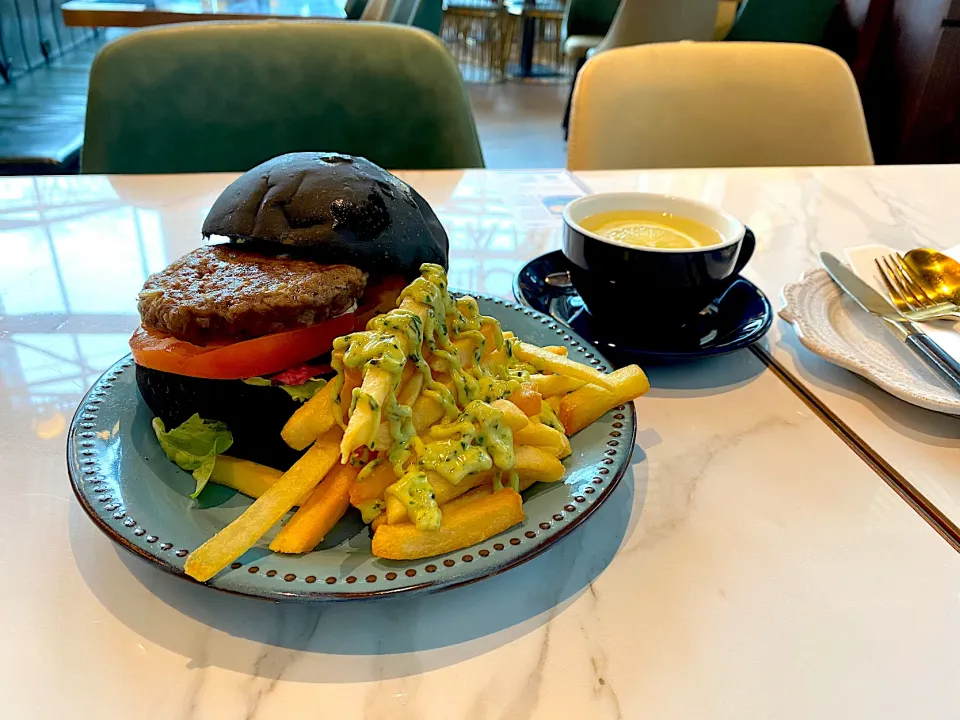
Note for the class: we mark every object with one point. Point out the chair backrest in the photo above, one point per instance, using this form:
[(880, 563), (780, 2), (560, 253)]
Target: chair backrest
[(686, 104), (802, 21), (651, 21), (377, 10), (227, 96), (428, 16), (403, 11), (588, 17), (353, 9), (424, 14)]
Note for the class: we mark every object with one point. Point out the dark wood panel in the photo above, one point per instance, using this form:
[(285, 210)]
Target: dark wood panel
[(905, 55), (855, 30), (933, 130), (953, 13), (916, 26)]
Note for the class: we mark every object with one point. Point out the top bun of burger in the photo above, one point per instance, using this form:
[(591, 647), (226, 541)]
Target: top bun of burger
[(336, 208), (318, 243)]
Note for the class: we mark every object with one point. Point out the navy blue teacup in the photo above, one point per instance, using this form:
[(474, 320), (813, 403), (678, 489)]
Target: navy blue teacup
[(658, 286)]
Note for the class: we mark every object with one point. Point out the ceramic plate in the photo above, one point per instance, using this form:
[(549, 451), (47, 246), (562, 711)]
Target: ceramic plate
[(834, 327), (738, 318), (140, 499)]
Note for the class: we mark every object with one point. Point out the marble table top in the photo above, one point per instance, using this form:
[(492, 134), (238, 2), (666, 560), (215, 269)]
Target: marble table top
[(797, 214), (750, 565)]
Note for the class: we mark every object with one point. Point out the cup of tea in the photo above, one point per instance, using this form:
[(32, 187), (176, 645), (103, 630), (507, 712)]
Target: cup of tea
[(661, 258)]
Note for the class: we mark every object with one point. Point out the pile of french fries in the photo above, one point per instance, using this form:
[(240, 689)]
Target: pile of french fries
[(556, 398)]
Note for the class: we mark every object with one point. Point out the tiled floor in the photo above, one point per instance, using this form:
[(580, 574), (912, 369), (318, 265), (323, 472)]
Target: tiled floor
[(519, 124)]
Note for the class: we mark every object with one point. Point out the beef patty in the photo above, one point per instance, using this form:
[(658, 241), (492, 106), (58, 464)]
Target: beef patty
[(222, 293)]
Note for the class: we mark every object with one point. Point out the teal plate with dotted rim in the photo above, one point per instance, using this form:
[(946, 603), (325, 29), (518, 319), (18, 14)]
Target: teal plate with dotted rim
[(141, 500)]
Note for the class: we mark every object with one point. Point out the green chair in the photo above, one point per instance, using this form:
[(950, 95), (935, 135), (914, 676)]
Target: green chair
[(585, 23), (424, 14), (353, 9), (211, 97), (802, 21)]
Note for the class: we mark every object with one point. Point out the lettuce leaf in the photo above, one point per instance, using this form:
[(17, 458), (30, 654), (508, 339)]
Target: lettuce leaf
[(194, 446), (300, 393)]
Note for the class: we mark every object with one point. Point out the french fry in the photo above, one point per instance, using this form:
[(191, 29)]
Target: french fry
[(493, 359), (443, 492), (535, 464), (409, 369), (240, 535), (411, 390), (464, 526), (379, 520), (352, 377), (464, 348), (554, 402), (426, 411), (443, 378), (468, 497), (373, 484), (550, 385), (438, 366), (528, 399), (407, 396), (489, 337), (584, 406), (513, 416), (543, 437), (418, 308), (544, 360), (555, 349), (311, 420), (317, 516), (365, 420), (250, 478), (383, 439)]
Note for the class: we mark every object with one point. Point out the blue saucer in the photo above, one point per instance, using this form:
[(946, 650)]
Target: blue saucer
[(737, 318)]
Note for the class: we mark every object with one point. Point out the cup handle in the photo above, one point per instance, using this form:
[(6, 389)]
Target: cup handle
[(747, 247)]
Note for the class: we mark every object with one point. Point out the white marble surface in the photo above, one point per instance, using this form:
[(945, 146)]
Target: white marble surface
[(797, 214), (750, 565)]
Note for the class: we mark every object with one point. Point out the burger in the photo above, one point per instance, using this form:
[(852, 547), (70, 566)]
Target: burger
[(306, 247)]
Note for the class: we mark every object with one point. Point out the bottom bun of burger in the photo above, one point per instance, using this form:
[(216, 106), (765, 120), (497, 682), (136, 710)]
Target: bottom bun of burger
[(254, 414)]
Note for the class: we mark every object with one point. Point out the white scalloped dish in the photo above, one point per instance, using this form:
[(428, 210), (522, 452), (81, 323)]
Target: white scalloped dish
[(833, 326)]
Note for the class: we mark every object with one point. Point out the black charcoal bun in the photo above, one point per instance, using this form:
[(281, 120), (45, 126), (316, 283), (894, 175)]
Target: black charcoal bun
[(254, 414), (334, 208)]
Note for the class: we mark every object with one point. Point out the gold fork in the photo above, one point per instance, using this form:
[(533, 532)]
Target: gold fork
[(909, 296)]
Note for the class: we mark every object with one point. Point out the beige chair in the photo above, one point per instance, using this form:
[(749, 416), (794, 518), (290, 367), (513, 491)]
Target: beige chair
[(676, 105), (639, 22)]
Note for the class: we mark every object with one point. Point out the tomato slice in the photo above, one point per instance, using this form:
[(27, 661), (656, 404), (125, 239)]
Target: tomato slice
[(247, 358)]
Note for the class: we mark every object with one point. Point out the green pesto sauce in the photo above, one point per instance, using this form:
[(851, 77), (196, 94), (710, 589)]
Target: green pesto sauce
[(367, 470), (549, 417), (473, 437), (416, 494), (453, 461), (370, 509)]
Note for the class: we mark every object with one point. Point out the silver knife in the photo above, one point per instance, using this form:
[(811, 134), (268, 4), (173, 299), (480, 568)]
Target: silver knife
[(873, 302)]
